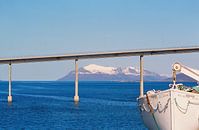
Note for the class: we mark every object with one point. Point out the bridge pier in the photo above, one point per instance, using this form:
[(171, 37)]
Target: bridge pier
[(141, 77), (76, 97), (10, 83)]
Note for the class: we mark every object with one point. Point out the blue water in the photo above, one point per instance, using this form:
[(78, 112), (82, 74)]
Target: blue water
[(49, 105)]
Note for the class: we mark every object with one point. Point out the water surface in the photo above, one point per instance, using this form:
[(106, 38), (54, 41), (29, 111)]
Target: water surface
[(49, 105)]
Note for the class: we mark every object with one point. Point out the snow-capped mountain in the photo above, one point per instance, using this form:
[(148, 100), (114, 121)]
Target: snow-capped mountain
[(131, 71), (95, 72), (96, 69)]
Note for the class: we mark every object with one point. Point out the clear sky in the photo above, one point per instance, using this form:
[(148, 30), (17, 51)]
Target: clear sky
[(47, 27)]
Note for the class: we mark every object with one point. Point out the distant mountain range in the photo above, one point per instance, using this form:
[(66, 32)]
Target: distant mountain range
[(95, 72)]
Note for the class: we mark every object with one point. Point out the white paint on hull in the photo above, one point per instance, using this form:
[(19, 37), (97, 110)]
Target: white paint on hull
[(173, 110)]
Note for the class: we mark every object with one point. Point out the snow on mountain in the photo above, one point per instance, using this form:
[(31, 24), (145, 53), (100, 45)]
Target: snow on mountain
[(131, 71), (135, 71), (102, 73), (95, 69)]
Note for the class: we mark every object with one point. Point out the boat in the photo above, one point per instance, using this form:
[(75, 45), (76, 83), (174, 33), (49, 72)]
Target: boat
[(176, 108)]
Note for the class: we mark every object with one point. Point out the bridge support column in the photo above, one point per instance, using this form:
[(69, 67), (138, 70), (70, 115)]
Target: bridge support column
[(10, 83), (141, 77), (76, 97)]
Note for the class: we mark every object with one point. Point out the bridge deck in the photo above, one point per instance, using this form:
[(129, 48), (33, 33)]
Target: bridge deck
[(99, 55)]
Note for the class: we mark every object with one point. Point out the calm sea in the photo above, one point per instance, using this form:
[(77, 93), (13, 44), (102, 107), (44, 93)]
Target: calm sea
[(49, 105)]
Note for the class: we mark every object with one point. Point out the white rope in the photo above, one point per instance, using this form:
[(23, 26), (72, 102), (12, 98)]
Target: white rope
[(143, 107), (184, 110), (181, 109)]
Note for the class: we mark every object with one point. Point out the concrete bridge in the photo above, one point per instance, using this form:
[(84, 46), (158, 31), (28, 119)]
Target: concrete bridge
[(76, 57)]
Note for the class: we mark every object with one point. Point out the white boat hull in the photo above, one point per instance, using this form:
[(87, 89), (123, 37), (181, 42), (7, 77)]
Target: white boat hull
[(172, 109)]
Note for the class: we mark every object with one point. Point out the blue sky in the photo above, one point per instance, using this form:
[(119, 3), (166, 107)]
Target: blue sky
[(47, 27)]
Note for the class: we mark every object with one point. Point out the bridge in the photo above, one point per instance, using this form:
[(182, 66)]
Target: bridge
[(82, 56)]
